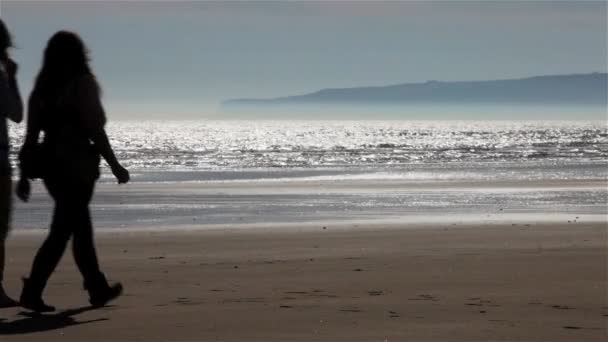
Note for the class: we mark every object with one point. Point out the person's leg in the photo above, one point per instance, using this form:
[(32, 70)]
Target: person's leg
[(84, 251), (5, 218), (53, 247), (83, 245), (50, 252)]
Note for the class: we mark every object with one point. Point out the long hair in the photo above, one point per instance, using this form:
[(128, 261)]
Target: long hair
[(5, 41), (66, 59)]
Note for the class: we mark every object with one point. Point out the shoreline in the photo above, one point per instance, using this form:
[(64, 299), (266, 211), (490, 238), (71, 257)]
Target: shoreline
[(194, 206), (407, 222)]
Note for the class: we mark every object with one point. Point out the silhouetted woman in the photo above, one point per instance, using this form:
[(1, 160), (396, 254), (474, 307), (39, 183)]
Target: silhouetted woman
[(65, 105)]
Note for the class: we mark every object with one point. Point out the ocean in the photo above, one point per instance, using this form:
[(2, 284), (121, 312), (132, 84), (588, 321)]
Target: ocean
[(187, 173)]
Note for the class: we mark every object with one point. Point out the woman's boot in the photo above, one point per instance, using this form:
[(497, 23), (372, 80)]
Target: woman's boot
[(100, 292), (31, 297)]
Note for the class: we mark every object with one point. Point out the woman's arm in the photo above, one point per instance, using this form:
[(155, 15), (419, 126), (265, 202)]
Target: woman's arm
[(33, 128), (102, 143), (31, 139), (100, 139), (10, 99), (94, 120)]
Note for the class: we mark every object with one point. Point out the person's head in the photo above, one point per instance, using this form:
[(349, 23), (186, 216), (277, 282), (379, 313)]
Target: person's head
[(65, 60), (5, 40), (66, 53)]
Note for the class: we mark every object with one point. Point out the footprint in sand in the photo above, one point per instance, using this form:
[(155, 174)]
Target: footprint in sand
[(315, 293), (186, 301), (220, 290), (325, 295), (477, 301), (244, 300), (561, 307), (275, 261), (375, 293), (424, 297)]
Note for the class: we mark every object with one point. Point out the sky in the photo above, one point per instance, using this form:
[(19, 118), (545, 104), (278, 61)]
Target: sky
[(180, 59)]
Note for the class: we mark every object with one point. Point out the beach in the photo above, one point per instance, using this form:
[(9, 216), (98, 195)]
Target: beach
[(350, 231), (304, 171), (382, 282)]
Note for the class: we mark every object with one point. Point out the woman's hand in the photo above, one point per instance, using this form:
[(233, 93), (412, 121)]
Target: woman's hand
[(23, 189), (121, 174), (11, 68)]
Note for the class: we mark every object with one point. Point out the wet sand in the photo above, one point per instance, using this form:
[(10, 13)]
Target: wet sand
[(447, 282)]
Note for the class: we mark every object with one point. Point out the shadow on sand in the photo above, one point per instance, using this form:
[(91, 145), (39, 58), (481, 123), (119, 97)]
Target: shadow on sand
[(34, 322)]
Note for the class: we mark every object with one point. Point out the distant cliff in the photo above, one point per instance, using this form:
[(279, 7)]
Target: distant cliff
[(576, 90)]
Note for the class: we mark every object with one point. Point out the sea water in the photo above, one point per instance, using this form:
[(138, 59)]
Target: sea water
[(424, 159)]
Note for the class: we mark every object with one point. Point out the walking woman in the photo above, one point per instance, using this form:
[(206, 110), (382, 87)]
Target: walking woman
[(65, 105), (10, 108)]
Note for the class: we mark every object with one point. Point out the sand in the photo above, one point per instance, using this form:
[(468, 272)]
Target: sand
[(448, 282)]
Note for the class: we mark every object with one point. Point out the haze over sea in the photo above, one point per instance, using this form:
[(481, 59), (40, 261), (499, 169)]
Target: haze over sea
[(301, 171)]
